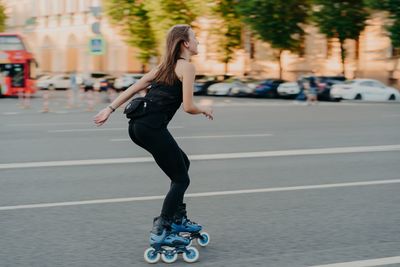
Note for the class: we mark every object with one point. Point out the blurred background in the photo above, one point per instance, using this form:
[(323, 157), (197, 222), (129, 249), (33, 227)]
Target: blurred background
[(253, 46), (282, 181)]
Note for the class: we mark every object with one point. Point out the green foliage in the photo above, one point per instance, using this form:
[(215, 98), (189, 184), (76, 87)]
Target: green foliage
[(342, 19), (3, 18), (394, 30), (393, 6), (166, 13), (134, 21), (229, 30), (277, 22)]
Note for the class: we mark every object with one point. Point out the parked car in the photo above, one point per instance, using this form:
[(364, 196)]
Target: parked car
[(364, 89), (244, 87), (289, 89), (202, 82), (126, 80), (60, 81), (268, 88), (107, 82), (225, 88)]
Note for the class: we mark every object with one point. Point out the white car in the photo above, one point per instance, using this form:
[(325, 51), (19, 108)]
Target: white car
[(126, 80), (228, 87), (364, 89), (288, 89), (60, 81)]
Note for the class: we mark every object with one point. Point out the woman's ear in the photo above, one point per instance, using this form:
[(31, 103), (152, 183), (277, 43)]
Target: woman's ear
[(186, 44)]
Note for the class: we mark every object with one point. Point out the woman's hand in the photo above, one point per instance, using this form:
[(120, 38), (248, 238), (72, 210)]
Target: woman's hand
[(102, 116), (208, 112)]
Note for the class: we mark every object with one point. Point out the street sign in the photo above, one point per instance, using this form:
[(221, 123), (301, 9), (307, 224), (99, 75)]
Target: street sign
[(97, 45), (96, 27)]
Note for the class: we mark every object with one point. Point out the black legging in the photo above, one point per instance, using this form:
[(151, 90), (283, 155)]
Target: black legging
[(171, 159)]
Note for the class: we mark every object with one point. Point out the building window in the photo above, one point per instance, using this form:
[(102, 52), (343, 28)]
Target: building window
[(84, 5), (62, 6), (71, 6), (47, 6), (46, 21)]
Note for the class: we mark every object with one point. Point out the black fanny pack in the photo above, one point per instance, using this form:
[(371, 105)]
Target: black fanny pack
[(138, 107)]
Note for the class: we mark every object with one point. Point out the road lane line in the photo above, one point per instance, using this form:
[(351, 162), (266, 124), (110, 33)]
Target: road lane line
[(364, 263), (99, 129), (48, 124), (86, 130), (204, 194), (204, 137), (222, 156)]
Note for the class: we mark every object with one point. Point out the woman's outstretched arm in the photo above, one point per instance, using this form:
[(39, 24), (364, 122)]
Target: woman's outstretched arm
[(142, 84)]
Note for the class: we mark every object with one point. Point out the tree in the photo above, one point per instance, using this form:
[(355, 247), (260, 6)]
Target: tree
[(166, 13), (229, 31), (3, 18), (277, 22), (342, 19), (133, 19)]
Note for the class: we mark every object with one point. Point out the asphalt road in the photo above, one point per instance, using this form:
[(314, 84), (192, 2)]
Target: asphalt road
[(283, 184)]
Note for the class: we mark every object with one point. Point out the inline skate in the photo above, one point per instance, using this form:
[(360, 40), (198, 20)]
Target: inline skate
[(166, 244), (188, 229)]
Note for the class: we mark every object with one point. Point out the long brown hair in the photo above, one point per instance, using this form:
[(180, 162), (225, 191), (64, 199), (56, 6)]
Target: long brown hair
[(175, 37)]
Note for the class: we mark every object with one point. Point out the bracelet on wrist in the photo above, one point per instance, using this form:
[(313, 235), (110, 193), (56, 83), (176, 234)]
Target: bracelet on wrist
[(110, 107)]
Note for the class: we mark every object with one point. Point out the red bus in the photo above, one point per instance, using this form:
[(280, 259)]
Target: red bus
[(17, 66)]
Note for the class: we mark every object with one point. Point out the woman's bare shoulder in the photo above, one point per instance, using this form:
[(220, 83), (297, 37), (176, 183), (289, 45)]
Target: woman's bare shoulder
[(184, 68)]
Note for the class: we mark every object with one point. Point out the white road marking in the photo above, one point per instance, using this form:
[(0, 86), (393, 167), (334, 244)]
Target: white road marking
[(99, 129), (87, 130), (204, 137), (204, 194), (10, 113), (48, 124), (289, 104), (364, 263), (223, 156)]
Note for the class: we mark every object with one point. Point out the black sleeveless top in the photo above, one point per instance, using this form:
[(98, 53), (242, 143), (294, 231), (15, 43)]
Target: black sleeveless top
[(167, 100)]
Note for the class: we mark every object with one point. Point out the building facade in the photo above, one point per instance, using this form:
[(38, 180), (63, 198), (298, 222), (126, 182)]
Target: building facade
[(58, 33)]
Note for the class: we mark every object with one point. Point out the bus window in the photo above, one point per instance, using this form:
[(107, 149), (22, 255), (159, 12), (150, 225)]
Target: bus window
[(15, 72), (10, 43)]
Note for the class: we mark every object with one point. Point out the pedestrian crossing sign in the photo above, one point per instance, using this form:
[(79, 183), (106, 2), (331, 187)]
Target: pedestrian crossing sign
[(97, 45)]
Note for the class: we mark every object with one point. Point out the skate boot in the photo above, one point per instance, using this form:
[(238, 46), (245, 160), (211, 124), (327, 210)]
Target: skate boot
[(191, 230), (166, 244)]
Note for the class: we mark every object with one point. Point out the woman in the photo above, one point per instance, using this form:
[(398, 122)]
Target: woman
[(312, 91), (171, 84)]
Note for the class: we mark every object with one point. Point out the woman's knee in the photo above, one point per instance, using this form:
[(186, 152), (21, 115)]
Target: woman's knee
[(185, 159), (181, 184)]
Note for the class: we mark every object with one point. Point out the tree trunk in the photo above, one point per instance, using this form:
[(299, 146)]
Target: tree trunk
[(343, 57), (280, 64), (357, 56)]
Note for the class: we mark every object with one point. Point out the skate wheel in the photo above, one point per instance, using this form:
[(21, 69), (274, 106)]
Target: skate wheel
[(204, 239), (191, 255), (151, 256), (169, 256)]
